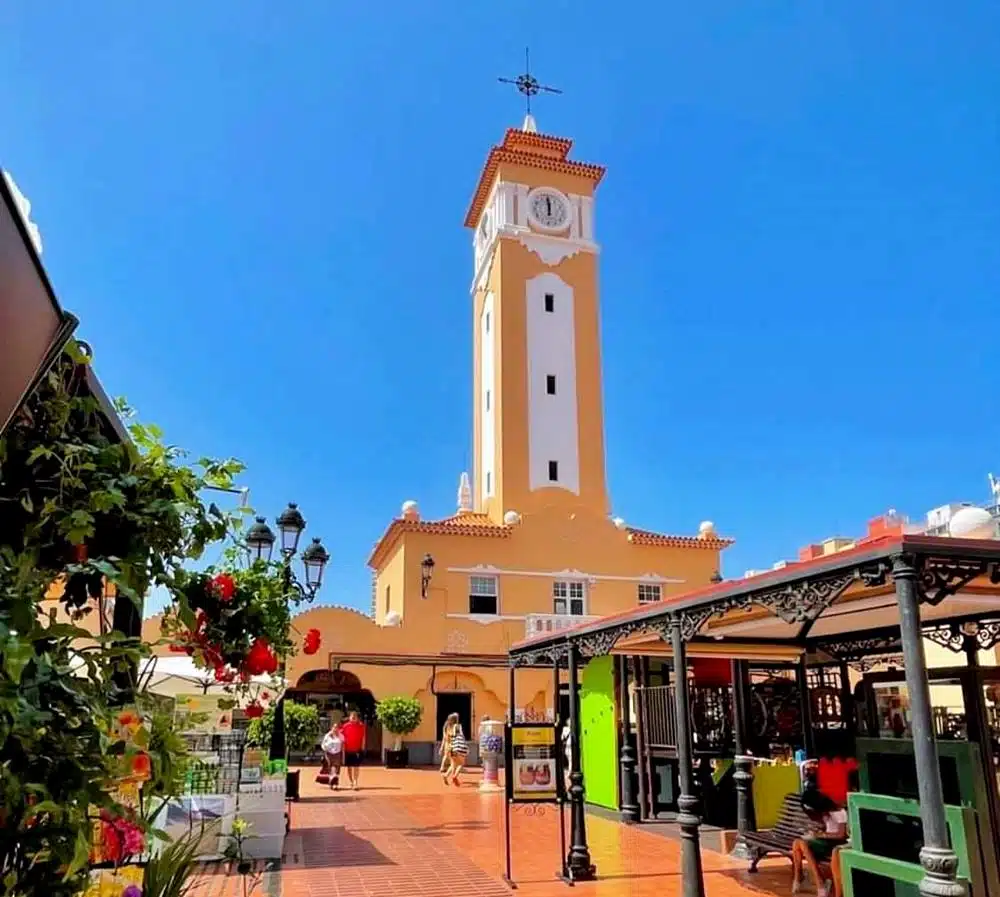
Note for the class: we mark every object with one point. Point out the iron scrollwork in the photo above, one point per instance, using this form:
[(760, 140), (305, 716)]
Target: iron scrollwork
[(803, 602), (939, 578), (980, 635), (546, 655), (867, 664), (948, 636), (855, 649), (600, 643)]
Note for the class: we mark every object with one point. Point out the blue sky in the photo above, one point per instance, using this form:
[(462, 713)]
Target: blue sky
[(256, 209)]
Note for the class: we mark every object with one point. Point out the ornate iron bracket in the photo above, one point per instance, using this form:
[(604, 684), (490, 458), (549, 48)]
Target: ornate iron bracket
[(938, 578), (853, 650), (867, 664), (547, 656), (956, 637)]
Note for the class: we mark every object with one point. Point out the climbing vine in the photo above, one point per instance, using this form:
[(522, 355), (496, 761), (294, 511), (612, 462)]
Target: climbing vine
[(81, 511)]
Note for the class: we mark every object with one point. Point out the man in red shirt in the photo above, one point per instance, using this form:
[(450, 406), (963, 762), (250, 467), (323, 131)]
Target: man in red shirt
[(353, 733)]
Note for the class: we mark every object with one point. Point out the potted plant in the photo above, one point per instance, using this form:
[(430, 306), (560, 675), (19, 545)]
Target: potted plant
[(302, 730), (399, 716)]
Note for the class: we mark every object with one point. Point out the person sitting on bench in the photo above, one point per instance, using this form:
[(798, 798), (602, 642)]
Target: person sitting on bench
[(829, 831)]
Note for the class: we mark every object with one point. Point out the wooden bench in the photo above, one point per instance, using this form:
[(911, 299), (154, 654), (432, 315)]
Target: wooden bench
[(792, 824)]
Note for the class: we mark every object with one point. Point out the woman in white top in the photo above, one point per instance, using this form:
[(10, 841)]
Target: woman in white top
[(333, 751)]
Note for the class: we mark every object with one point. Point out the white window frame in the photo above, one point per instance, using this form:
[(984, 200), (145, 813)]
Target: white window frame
[(649, 592), (567, 591), (481, 578)]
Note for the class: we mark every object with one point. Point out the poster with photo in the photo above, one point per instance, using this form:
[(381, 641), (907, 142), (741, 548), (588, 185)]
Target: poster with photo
[(533, 763)]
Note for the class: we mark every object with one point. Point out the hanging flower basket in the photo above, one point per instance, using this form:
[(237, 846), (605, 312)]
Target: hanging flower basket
[(236, 623)]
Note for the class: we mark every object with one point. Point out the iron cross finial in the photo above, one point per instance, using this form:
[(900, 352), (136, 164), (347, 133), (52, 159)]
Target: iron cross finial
[(528, 84)]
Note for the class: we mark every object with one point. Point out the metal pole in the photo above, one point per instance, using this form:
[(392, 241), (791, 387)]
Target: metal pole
[(743, 774), (580, 867), (279, 747), (936, 856), (509, 766), (629, 807), (692, 882), (802, 679), (847, 704)]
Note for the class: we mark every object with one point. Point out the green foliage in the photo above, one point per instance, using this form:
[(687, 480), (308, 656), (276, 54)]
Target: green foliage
[(302, 727), (171, 872), (66, 479), (399, 715)]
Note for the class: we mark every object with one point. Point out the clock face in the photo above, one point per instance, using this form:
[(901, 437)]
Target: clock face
[(549, 210)]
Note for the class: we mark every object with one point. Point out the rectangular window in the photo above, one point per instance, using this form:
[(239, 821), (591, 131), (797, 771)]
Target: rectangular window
[(550, 302), (487, 400), (568, 597), (553, 471), (482, 595), (648, 592), (550, 384)]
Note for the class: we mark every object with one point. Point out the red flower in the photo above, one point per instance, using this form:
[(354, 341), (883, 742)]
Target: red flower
[(142, 766), (224, 674), (224, 587), (260, 658), (178, 649), (265, 695), (311, 643), (254, 710)]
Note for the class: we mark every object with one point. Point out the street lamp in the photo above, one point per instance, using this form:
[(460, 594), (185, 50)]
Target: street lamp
[(426, 572), (260, 543)]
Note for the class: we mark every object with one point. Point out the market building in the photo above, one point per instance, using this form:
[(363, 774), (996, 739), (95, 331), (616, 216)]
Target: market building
[(532, 546)]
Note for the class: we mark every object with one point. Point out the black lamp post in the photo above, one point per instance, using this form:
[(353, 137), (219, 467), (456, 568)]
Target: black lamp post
[(426, 572), (260, 543)]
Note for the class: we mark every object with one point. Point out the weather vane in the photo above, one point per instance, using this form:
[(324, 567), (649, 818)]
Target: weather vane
[(528, 84)]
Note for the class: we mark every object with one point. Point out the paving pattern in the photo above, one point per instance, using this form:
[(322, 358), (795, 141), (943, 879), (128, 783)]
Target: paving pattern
[(406, 833)]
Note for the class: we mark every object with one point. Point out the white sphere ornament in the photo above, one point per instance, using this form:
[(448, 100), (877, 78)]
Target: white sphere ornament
[(619, 522), (393, 618), (972, 523), (411, 510), (511, 518), (706, 529)]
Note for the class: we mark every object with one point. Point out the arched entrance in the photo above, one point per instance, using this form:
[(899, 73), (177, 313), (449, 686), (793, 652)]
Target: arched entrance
[(336, 693)]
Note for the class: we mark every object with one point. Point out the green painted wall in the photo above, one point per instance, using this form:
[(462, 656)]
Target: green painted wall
[(599, 744)]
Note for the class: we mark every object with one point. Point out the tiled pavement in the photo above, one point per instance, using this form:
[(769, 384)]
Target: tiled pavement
[(404, 832)]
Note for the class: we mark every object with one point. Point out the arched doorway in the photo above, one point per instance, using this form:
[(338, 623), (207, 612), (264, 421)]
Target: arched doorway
[(335, 693)]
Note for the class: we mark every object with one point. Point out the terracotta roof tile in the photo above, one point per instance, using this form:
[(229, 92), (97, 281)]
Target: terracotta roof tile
[(459, 525), (647, 537), (531, 150)]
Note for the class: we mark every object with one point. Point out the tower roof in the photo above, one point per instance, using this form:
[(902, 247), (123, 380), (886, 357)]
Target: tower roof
[(528, 148)]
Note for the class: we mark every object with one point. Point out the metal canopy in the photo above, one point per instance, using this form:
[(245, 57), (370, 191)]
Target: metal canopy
[(830, 600)]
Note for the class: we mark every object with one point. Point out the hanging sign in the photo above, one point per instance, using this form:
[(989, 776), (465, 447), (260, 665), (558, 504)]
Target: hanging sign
[(533, 763)]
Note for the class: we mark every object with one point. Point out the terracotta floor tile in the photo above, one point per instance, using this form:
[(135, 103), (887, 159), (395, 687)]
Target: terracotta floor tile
[(405, 833)]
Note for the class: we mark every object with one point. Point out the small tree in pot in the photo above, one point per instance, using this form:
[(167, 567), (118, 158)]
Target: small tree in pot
[(399, 716), (302, 731)]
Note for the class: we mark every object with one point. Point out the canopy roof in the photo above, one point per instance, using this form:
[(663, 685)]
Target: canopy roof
[(818, 604)]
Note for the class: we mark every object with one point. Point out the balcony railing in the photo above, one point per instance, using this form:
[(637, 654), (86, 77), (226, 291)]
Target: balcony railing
[(546, 624)]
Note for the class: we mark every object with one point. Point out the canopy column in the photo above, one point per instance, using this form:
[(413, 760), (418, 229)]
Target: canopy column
[(936, 856), (629, 807), (580, 866), (693, 881), (743, 774)]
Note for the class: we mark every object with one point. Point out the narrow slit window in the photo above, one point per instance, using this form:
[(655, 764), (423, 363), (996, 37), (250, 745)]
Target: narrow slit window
[(487, 400), (550, 384), (489, 482), (550, 302), (487, 322), (553, 471)]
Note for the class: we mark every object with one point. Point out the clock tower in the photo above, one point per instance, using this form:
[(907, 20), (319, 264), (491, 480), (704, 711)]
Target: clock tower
[(538, 416)]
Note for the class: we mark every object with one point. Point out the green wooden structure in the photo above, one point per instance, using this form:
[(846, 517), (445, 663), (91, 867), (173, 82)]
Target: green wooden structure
[(886, 837), (599, 741)]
